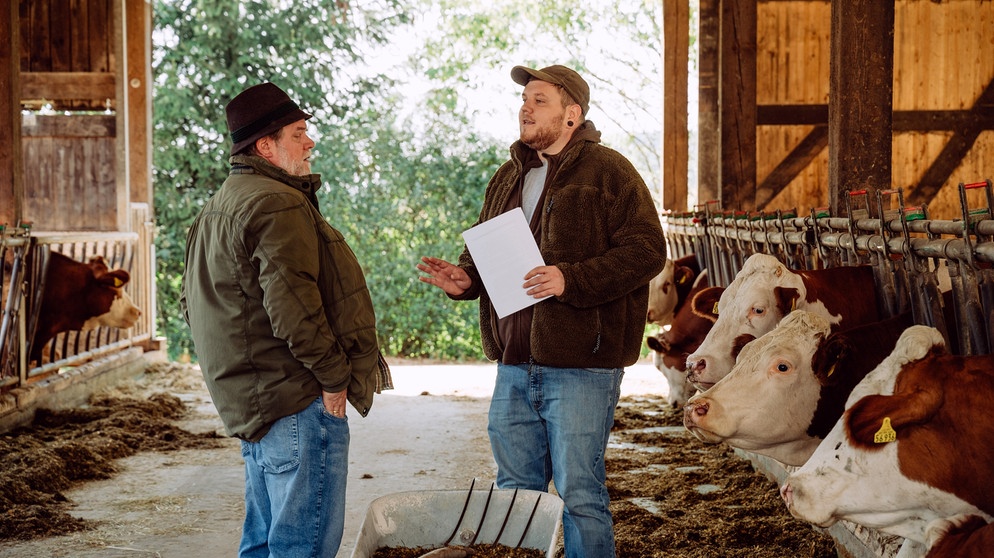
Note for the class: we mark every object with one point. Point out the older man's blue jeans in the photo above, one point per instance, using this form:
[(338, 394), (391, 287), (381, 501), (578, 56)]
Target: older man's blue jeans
[(550, 424), (295, 487)]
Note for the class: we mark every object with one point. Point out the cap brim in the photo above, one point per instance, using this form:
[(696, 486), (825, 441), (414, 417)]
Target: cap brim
[(522, 75)]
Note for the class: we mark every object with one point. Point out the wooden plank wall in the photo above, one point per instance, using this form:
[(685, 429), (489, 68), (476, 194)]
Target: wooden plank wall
[(67, 48), (943, 60), (69, 164)]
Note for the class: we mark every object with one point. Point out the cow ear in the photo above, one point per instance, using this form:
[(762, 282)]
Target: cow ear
[(116, 278), (682, 275), (98, 265), (787, 298), (704, 304), (653, 343), (829, 353)]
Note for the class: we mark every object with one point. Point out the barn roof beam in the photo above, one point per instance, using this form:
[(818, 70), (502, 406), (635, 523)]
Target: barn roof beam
[(955, 150)]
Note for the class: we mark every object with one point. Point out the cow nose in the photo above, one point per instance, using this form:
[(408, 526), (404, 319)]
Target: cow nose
[(787, 494), (693, 411), (696, 368)]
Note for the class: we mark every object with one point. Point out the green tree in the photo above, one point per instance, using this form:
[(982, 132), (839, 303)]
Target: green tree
[(204, 53), (616, 46), (393, 196)]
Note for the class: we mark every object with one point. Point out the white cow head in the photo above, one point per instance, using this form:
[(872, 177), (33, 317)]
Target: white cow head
[(768, 400), (842, 481), (662, 296), (761, 294)]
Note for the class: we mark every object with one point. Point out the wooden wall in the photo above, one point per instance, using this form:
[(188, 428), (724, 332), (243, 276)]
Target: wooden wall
[(67, 54), (943, 64), (69, 162)]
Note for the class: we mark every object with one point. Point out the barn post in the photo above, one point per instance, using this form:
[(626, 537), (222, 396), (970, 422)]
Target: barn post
[(860, 99), (738, 104), (709, 121), (138, 107), (11, 183), (676, 40)]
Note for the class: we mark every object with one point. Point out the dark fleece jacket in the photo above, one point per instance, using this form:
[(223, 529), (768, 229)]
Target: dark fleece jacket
[(600, 227)]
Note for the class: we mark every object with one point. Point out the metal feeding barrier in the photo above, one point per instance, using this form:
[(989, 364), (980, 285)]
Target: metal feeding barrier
[(942, 270)]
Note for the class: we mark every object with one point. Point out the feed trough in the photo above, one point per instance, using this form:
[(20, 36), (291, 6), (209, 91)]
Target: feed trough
[(435, 518)]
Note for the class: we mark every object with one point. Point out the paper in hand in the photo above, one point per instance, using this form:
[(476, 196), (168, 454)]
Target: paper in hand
[(504, 250)]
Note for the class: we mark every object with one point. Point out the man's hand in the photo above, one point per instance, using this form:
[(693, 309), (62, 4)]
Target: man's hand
[(545, 280), (450, 278), (334, 403)]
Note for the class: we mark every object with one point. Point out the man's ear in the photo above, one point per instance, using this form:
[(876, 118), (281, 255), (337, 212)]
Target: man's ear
[(264, 147)]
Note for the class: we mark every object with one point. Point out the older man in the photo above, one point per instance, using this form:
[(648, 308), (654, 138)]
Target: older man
[(284, 329)]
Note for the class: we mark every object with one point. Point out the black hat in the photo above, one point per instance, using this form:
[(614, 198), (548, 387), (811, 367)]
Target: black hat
[(259, 111), (557, 75)]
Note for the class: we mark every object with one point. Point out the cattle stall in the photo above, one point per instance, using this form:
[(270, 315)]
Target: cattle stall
[(25, 253), (940, 269)]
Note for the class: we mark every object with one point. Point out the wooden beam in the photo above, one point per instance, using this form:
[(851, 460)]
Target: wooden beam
[(67, 85), (981, 115), (738, 104), (121, 173), (676, 47), (139, 99), (708, 119), (861, 84), (792, 165), (952, 153), (11, 183)]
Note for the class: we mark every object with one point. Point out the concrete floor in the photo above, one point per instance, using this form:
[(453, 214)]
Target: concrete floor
[(428, 433)]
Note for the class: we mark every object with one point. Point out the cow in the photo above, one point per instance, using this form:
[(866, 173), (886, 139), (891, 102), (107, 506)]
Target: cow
[(80, 296), (960, 536), (789, 387), (914, 445), (671, 347), (763, 292), (669, 289)]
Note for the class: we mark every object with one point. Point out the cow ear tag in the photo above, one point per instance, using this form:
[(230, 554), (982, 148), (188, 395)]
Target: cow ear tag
[(714, 309), (885, 434), (118, 282)]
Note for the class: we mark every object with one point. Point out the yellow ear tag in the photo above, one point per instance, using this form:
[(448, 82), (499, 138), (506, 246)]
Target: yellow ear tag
[(885, 434), (118, 282), (793, 304), (681, 280), (829, 375), (714, 309)]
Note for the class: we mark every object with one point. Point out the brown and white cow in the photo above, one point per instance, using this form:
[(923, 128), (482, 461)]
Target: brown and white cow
[(763, 292), (789, 387), (671, 347), (670, 289), (81, 296), (915, 444), (960, 536)]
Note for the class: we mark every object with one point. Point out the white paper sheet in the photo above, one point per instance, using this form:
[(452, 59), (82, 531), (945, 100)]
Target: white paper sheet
[(504, 250)]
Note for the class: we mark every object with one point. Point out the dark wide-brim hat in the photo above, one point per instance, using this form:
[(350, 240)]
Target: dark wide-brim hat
[(558, 75), (259, 111)]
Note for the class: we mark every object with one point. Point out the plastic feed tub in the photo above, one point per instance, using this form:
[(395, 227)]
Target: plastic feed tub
[(428, 518)]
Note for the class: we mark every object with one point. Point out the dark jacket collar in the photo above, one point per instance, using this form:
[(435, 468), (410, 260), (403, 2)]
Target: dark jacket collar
[(309, 184)]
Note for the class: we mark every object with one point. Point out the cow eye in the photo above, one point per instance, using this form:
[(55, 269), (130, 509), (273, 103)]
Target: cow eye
[(783, 367)]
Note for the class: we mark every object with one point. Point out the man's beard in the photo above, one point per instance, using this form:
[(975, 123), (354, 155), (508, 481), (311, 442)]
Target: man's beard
[(544, 136), (291, 166)]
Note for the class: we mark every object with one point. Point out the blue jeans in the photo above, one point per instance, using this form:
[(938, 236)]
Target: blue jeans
[(553, 423), (295, 487)]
